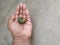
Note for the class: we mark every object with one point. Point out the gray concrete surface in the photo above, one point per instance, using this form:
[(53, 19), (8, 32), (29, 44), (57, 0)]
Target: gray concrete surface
[(45, 16)]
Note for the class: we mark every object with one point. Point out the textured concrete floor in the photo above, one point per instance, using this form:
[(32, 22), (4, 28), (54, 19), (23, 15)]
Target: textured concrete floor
[(45, 16)]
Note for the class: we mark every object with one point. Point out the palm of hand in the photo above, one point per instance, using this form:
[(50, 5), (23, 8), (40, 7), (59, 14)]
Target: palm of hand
[(20, 29)]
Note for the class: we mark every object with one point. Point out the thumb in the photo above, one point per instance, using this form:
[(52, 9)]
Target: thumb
[(11, 18)]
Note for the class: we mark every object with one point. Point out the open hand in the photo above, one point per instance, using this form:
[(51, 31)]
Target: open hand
[(20, 29)]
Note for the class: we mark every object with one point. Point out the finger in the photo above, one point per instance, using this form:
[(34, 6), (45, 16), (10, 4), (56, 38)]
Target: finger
[(21, 6), (18, 8), (24, 7), (28, 18), (27, 15)]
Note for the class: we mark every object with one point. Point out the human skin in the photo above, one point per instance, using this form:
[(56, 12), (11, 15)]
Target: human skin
[(21, 32)]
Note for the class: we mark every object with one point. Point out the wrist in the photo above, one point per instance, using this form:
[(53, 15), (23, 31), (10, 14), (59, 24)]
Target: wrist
[(21, 40), (21, 37)]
